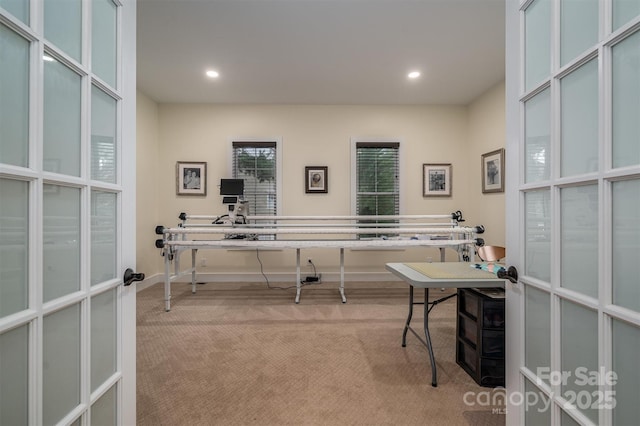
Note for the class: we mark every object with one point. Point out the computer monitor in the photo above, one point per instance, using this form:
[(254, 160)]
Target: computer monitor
[(232, 187)]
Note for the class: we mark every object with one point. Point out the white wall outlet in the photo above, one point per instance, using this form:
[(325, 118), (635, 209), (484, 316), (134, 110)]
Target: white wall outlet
[(203, 262)]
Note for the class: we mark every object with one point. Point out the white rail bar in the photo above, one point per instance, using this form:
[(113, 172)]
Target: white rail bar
[(295, 244), (317, 225), (337, 217), (270, 231)]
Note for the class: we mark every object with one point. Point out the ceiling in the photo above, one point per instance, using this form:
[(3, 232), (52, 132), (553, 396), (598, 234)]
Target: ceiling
[(319, 51)]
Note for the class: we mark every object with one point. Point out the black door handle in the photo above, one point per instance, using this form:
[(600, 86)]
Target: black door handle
[(130, 276), (511, 274)]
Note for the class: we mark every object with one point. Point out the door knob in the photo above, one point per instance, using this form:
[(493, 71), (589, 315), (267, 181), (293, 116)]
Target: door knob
[(511, 274), (130, 276)]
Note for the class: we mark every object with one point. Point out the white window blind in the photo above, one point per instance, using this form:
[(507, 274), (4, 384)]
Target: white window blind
[(255, 163), (377, 183)]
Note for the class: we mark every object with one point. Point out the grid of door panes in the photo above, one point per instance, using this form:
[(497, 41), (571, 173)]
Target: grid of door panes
[(580, 98), (59, 188)]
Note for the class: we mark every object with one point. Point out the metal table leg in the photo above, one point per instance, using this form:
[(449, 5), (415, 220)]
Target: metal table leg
[(193, 270), (427, 340), (427, 335), (344, 299), (298, 284), (167, 283), (408, 323)]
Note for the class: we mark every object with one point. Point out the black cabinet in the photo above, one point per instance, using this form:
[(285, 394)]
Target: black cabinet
[(480, 334)]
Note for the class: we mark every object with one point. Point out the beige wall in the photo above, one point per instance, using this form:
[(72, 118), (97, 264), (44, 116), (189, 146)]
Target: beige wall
[(148, 206), (312, 135), (486, 133)]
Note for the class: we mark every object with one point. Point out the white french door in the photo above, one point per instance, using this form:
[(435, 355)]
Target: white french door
[(573, 158), (67, 168)]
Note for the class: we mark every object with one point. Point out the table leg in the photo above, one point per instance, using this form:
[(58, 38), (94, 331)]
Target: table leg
[(406, 326), (167, 283), (193, 270), (427, 341), (344, 299), (298, 284), (427, 335)]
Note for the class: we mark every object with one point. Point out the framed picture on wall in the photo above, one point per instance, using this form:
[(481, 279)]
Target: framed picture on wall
[(493, 171), (436, 180), (191, 178), (316, 179)]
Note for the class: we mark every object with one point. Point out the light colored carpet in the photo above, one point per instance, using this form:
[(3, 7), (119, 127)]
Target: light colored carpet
[(242, 354)]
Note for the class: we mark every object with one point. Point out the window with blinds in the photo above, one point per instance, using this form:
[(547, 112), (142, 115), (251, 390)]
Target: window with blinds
[(255, 163), (377, 183)]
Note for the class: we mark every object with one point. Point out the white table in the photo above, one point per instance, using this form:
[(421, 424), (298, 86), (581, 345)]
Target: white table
[(438, 275)]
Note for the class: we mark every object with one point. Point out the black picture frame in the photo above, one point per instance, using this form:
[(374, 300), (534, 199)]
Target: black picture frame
[(316, 179)]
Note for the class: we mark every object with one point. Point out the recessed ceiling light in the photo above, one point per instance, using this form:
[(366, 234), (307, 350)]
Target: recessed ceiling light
[(414, 74), (212, 74)]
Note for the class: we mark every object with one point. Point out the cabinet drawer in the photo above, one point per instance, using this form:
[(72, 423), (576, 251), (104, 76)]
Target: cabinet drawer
[(467, 356), (491, 372), (493, 316), (493, 343), (468, 329), (468, 303)]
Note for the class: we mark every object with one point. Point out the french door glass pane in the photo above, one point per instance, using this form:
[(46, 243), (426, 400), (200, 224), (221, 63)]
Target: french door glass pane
[(14, 98), (103, 136), (18, 8), (626, 243), (61, 364), (537, 48), (103, 337), (14, 246), (537, 413), (567, 420), (63, 25), (103, 54), (579, 115), (538, 137), (538, 234), (626, 101), (14, 376), (579, 239), (537, 329), (579, 349), (624, 11), (61, 133), (61, 238), (103, 236), (626, 347), (578, 27), (103, 411)]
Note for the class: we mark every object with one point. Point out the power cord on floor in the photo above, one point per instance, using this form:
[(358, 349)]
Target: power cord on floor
[(302, 282), (312, 280)]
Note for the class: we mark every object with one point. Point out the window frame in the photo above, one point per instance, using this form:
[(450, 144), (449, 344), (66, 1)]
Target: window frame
[(257, 141), (355, 142)]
